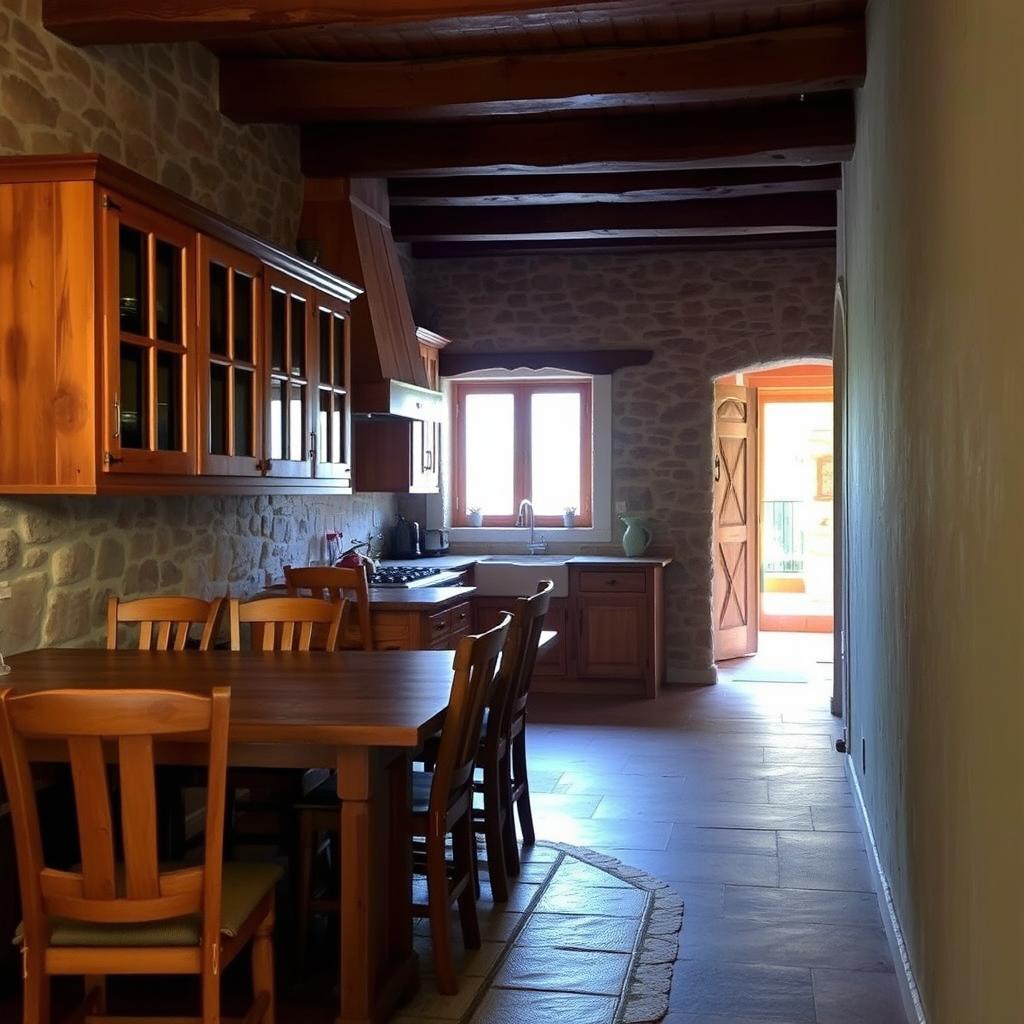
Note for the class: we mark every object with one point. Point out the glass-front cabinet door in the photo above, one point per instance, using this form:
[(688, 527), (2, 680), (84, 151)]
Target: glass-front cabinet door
[(333, 448), (149, 335), (231, 375), (290, 441)]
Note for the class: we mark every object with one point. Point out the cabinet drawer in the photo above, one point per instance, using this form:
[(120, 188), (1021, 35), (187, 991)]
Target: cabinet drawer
[(628, 581), (439, 625), (462, 617)]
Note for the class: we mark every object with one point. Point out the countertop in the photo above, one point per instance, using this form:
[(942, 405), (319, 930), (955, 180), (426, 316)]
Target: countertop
[(455, 562), (395, 599)]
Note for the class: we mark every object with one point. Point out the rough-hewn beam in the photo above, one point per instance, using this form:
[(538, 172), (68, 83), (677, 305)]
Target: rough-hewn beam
[(460, 250), (814, 132), (149, 21), (786, 63), (815, 211), (627, 187)]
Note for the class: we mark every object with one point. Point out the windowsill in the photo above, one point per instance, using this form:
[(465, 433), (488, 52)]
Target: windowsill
[(515, 534)]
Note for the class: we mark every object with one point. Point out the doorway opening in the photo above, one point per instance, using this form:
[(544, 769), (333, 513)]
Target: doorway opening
[(774, 508)]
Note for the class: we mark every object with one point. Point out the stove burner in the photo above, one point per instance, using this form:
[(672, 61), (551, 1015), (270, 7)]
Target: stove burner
[(401, 575)]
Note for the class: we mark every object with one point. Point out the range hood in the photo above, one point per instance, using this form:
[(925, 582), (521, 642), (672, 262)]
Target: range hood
[(346, 228)]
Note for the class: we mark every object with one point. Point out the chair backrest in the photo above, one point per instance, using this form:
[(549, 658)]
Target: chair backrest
[(335, 583), (530, 614), (266, 615), (91, 724), (158, 616), (476, 658)]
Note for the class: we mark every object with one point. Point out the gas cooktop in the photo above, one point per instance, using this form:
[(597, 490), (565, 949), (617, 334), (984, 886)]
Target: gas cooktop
[(411, 576)]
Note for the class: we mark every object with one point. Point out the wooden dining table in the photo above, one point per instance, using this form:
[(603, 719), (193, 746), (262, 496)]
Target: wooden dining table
[(362, 713)]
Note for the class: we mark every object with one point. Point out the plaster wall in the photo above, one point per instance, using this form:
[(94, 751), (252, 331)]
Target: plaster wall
[(934, 221)]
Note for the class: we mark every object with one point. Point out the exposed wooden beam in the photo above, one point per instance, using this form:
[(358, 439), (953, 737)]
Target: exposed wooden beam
[(627, 187), (760, 215), (595, 361), (768, 65), (813, 132), (151, 21), (463, 250)]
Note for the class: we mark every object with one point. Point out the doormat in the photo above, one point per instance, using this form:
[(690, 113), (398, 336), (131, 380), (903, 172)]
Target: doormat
[(583, 936)]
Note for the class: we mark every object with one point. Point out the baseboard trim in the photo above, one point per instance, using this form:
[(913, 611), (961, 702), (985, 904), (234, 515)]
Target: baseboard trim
[(909, 991), (694, 677)]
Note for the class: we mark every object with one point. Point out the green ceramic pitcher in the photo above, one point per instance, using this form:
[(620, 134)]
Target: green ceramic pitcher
[(637, 537)]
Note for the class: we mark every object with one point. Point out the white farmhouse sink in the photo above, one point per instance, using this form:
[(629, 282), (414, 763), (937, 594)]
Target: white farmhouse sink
[(518, 575)]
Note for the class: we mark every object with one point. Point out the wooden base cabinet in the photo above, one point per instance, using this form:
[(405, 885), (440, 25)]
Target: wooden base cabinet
[(610, 629), (149, 349)]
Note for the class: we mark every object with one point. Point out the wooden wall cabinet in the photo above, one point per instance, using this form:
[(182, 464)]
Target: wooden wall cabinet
[(149, 352)]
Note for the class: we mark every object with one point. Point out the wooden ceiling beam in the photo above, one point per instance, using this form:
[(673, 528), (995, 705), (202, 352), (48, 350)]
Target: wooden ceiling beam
[(815, 211), (768, 65), (818, 131), (152, 21), (626, 187), (606, 246)]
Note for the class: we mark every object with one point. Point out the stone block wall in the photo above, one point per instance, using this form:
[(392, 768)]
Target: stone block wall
[(153, 108), (704, 315)]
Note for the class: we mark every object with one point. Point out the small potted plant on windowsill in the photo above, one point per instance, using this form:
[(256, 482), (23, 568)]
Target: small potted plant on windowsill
[(475, 516), (569, 516)]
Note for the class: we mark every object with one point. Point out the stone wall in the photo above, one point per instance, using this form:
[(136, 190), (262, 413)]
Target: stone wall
[(153, 108), (704, 314)]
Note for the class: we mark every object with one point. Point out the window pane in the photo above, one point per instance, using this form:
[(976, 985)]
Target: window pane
[(243, 317), (324, 320), (168, 402), (132, 264), (218, 409), (323, 439), (277, 329), (490, 438), (298, 311), (339, 351), (243, 412), (555, 452), (218, 309), (168, 291), (337, 440), (277, 419), (296, 423), (134, 396)]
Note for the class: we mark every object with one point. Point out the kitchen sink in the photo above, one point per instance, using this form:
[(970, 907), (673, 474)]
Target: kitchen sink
[(518, 575)]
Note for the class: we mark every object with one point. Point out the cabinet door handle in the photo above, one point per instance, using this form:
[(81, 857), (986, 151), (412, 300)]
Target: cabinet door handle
[(428, 460), (312, 445), (117, 416)]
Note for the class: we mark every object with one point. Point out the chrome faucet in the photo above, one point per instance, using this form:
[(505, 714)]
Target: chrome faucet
[(535, 547)]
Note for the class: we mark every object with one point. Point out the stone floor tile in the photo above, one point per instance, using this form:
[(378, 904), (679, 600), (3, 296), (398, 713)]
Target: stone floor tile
[(608, 834), (834, 793), (810, 906), (564, 970), (737, 991), (824, 860), (570, 898), (580, 931), (522, 1006), (857, 997), (835, 819)]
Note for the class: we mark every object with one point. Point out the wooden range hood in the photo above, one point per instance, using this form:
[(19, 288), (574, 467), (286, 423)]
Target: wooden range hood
[(345, 227)]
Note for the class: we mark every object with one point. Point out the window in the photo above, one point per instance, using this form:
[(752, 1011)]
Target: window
[(523, 439)]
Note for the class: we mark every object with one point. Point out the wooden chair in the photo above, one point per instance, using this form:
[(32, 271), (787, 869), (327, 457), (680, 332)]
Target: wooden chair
[(518, 658), (265, 615), (137, 917), (442, 805), (334, 583), (157, 616), (520, 788)]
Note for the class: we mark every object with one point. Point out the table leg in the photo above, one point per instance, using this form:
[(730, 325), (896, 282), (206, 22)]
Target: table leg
[(379, 967)]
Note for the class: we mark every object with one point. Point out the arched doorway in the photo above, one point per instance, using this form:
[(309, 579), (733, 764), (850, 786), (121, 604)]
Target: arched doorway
[(774, 505)]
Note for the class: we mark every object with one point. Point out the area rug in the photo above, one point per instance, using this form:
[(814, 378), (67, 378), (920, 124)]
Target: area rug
[(584, 939)]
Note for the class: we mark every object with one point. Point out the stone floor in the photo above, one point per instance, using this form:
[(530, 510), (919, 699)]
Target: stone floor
[(735, 795)]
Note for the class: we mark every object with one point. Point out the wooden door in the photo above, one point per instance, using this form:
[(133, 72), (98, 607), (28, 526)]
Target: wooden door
[(232, 375), (332, 412), (290, 444), (735, 522), (612, 637), (149, 321)]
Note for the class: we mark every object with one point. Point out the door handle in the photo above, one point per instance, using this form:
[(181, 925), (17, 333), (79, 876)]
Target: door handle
[(718, 469), (117, 416)]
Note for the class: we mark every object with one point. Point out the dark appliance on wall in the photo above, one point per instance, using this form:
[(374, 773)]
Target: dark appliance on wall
[(405, 539)]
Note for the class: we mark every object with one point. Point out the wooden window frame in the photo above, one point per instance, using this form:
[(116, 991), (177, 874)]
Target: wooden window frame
[(523, 390)]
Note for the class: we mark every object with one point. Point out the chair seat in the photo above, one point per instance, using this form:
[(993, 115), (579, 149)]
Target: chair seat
[(245, 884)]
